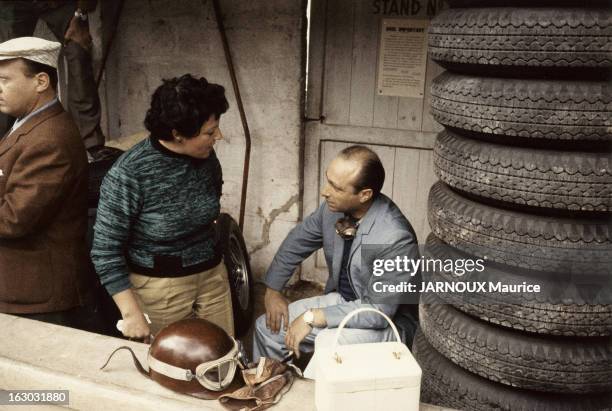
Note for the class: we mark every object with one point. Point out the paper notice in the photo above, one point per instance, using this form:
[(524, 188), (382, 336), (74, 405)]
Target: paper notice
[(402, 58)]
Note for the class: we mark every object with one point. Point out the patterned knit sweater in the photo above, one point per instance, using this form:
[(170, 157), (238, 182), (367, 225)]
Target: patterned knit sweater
[(155, 212)]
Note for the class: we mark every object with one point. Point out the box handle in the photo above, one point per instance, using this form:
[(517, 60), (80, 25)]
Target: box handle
[(350, 315)]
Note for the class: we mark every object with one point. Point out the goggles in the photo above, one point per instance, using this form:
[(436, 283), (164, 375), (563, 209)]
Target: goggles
[(346, 227), (214, 375)]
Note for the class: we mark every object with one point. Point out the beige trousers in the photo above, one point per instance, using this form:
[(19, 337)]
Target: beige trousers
[(202, 295)]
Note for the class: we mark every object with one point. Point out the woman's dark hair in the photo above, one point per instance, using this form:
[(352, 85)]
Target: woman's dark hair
[(184, 104), (32, 68)]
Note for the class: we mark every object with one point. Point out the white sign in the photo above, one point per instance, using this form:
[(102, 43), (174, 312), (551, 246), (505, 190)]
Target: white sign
[(402, 59)]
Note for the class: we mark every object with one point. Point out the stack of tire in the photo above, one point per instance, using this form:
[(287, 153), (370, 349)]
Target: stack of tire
[(525, 169)]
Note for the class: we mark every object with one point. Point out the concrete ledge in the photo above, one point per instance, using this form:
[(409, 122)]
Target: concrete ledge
[(36, 355)]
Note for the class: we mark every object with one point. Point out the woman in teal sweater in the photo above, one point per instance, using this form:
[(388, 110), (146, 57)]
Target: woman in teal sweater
[(154, 244)]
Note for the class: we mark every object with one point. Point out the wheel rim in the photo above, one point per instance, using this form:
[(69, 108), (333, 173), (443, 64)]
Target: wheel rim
[(239, 272)]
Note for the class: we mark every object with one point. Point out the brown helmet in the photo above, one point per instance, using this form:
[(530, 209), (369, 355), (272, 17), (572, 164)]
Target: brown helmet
[(194, 357)]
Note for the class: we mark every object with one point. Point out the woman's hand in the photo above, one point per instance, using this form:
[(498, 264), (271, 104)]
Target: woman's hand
[(136, 326), (134, 323)]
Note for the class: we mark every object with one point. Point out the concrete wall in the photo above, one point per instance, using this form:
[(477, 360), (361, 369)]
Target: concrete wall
[(158, 39)]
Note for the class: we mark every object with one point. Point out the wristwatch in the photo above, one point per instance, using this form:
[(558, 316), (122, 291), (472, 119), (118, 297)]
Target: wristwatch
[(308, 317), (80, 14)]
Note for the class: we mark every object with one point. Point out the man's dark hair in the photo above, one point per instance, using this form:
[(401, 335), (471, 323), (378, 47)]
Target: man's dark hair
[(32, 68), (371, 174), (184, 104)]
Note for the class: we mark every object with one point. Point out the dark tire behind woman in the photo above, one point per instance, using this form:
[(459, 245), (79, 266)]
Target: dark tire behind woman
[(236, 258)]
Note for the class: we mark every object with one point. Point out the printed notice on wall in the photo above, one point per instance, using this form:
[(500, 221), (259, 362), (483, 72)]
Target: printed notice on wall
[(402, 59)]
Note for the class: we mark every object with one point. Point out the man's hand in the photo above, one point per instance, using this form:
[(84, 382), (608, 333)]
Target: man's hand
[(296, 334), (78, 31), (277, 310)]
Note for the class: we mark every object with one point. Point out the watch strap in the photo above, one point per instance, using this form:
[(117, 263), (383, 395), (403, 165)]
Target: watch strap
[(308, 317)]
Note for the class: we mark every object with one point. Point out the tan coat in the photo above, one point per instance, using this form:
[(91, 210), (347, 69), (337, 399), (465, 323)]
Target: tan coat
[(44, 264)]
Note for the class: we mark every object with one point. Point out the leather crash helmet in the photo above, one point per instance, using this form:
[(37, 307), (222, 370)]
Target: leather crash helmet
[(195, 357)]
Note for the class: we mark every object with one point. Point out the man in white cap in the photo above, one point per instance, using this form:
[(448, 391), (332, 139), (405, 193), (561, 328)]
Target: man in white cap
[(68, 20), (44, 268)]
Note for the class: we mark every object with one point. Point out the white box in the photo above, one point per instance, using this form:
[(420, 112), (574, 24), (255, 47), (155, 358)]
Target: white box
[(370, 377)]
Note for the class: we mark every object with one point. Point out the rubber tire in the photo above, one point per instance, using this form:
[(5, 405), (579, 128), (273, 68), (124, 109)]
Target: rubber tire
[(445, 384), (510, 36), (528, 3), (558, 309), (525, 176), (562, 365), (541, 243), (97, 171), (532, 109), (229, 235)]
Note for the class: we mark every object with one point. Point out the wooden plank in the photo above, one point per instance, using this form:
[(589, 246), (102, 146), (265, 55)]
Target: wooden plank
[(385, 111), (426, 178), (410, 113), (363, 73), (338, 61), (406, 182), (312, 270), (414, 177), (378, 136), (316, 57), (429, 124), (311, 198)]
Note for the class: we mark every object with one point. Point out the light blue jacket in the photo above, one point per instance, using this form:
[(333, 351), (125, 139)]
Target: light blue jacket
[(383, 224)]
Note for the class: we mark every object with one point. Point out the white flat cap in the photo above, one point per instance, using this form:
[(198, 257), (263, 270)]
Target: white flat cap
[(31, 48)]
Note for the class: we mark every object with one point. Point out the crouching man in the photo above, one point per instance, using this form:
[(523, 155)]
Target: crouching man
[(44, 264), (355, 215)]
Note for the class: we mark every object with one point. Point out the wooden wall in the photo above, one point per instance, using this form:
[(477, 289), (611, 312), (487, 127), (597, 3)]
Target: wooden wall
[(344, 108)]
